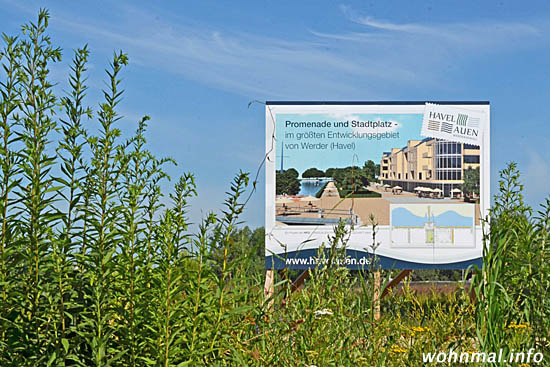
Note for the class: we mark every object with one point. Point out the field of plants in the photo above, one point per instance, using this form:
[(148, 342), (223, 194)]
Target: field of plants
[(96, 271)]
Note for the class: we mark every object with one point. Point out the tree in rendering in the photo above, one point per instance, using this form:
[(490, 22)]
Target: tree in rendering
[(471, 181), (313, 172), (287, 182), (371, 170)]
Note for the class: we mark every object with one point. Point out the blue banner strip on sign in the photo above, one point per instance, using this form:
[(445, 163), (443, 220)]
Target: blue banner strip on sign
[(355, 260)]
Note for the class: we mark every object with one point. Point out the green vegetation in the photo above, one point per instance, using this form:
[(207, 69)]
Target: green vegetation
[(471, 181), (99, 268), (287, 182), (515, 280), (313, 172), (354, 178), (347, 179), (371, 169)]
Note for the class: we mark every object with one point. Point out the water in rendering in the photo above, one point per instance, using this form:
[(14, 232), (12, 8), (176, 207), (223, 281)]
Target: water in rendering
[(311, 187)]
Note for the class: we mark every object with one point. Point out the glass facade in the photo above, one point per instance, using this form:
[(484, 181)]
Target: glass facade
[(448, 160), (471, 159)]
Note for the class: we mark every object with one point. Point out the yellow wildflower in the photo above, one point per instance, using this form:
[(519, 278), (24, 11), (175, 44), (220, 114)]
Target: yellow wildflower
[(420, 329), (514, 325), (397, 349)]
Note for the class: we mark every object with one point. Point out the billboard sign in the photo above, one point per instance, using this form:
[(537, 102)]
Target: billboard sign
[(419, 170)]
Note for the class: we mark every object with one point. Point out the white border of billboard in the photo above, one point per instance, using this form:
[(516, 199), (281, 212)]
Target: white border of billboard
[(295, 235)]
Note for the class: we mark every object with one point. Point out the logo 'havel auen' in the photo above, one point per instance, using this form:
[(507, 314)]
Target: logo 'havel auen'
[(463, 125)]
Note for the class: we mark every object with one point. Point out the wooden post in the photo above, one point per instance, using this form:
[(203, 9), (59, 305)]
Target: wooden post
[(376, 299), (473, 297), (269, 286), (299, 282), (395, 281), (297, 285)]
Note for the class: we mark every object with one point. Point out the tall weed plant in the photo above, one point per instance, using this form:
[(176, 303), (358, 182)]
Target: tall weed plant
[(95, 269), (512, 288)]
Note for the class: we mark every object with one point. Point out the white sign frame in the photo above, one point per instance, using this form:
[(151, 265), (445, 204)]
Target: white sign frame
[(283, 240)]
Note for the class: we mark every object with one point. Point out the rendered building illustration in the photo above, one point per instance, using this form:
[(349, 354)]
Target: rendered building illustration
[(429, 163)]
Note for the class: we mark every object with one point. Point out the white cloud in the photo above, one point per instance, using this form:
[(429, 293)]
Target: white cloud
[(361, 65), (370, 21), (242, 63), (465, 32), (367, 64)]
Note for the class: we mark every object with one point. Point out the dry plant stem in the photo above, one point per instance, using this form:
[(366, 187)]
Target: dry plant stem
[(376, 294)]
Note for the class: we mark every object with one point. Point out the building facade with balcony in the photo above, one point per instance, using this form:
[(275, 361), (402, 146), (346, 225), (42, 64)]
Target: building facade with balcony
[(431, 162)]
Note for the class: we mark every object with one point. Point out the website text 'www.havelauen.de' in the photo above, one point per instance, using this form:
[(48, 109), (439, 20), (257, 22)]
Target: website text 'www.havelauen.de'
[(313, 261)]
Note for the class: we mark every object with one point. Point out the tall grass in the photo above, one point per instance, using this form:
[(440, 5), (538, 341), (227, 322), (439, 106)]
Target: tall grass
[(511, 287), (99, 267)]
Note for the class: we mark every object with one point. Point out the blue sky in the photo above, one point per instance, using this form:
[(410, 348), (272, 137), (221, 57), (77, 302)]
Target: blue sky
[(195, 66)]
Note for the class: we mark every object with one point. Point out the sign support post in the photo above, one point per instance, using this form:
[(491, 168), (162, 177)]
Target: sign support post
[(395, 281), (376, 295), (269, 286)]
